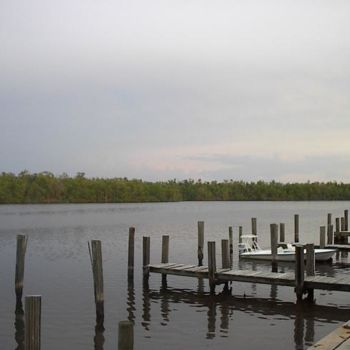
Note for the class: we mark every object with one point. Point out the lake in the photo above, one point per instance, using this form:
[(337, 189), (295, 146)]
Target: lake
[(183, 316)]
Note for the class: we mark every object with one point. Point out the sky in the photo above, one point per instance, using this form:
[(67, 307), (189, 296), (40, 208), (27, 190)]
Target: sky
[(162, 89)]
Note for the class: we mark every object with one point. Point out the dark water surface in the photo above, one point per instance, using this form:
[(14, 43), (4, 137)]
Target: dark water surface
[(184, 316)]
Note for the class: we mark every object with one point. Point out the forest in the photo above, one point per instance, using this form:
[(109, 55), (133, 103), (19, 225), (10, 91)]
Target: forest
[(45, 187)]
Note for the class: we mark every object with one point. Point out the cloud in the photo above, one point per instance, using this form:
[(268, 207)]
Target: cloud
[(149, 89)]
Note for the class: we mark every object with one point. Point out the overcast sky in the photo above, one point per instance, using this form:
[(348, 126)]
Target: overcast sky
[(163, 89)]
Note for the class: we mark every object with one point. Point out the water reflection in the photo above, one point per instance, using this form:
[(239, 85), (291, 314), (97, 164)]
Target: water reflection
[(19, 326), (99, 338), (131, 301), (220, 310), (146, 305)]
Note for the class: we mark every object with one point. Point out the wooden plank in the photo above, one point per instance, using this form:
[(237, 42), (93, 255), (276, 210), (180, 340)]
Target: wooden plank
[(183, 267), (198, 269), (163, 265), (174, 266), (334, 340), (32, 322)]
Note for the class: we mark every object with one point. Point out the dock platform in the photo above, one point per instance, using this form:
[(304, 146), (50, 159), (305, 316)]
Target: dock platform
[(340, 283), (337, 340)]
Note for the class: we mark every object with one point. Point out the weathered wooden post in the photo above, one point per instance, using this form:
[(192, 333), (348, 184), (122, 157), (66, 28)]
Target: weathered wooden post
[(310, 265), (254, 229), (230, 237), (342, 224), (274, 245), (125, 335), (322, 237), (131, 253), (329, 223), (146, 250), (20, 259), (282, 232), (296, 228), (330, 234), (310, 259), (225, 254), (337, 225), (165, 254), (299, 271), (346, 220), (211, 266), (32, 322), (329, 219), (240, 234), (97, 271), (200, 242)]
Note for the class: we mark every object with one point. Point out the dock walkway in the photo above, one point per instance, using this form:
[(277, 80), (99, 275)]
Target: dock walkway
[(337, 340), (341, 283)]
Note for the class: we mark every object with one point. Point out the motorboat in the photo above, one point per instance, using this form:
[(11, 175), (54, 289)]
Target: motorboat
[(249, 249)]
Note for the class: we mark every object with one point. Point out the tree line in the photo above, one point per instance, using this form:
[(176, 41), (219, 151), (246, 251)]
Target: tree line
[(45, 187)]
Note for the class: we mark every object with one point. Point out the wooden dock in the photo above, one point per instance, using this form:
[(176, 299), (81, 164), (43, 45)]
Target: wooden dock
[(337, 340), (341, 283)]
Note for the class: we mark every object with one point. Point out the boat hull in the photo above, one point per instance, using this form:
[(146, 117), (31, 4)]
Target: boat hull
[(320, 255)]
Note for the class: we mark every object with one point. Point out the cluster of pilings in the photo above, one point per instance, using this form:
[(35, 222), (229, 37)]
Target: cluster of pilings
[(29, 319)]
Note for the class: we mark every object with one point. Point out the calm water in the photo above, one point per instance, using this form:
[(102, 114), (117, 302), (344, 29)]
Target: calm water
[(184, 316)]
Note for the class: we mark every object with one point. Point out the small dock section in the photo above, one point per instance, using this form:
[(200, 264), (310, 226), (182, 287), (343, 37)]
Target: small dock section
[(337, 340), (226, 275)]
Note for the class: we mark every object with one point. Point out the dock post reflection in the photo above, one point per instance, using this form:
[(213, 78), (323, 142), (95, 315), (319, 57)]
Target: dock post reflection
[(211, 318), (225, 312), (131, 301), (146, 305), (164, 303), (99, 338), (19, 326), (299, 327)]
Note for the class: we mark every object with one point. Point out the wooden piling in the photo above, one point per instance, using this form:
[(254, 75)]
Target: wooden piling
[(131, 253), (165, 254), (20, 259), (330, 234), (310, 265), (296, 228), (342, 224), (346, 220), (230, 238), (32, 322), (274, 245), (299, 271), (225, 254), (310, 259), (282, 232), (211, 266), (254, 229), (329, 219), (200, 242), (146, 250), (95, 251), (125, 335), (322, 236), (240, 234), (337, 225)]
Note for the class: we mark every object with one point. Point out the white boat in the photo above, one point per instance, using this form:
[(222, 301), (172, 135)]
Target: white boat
[(250, 249)]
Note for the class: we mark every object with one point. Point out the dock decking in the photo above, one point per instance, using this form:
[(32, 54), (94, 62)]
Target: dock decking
[(337, 340), (340, 283)]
